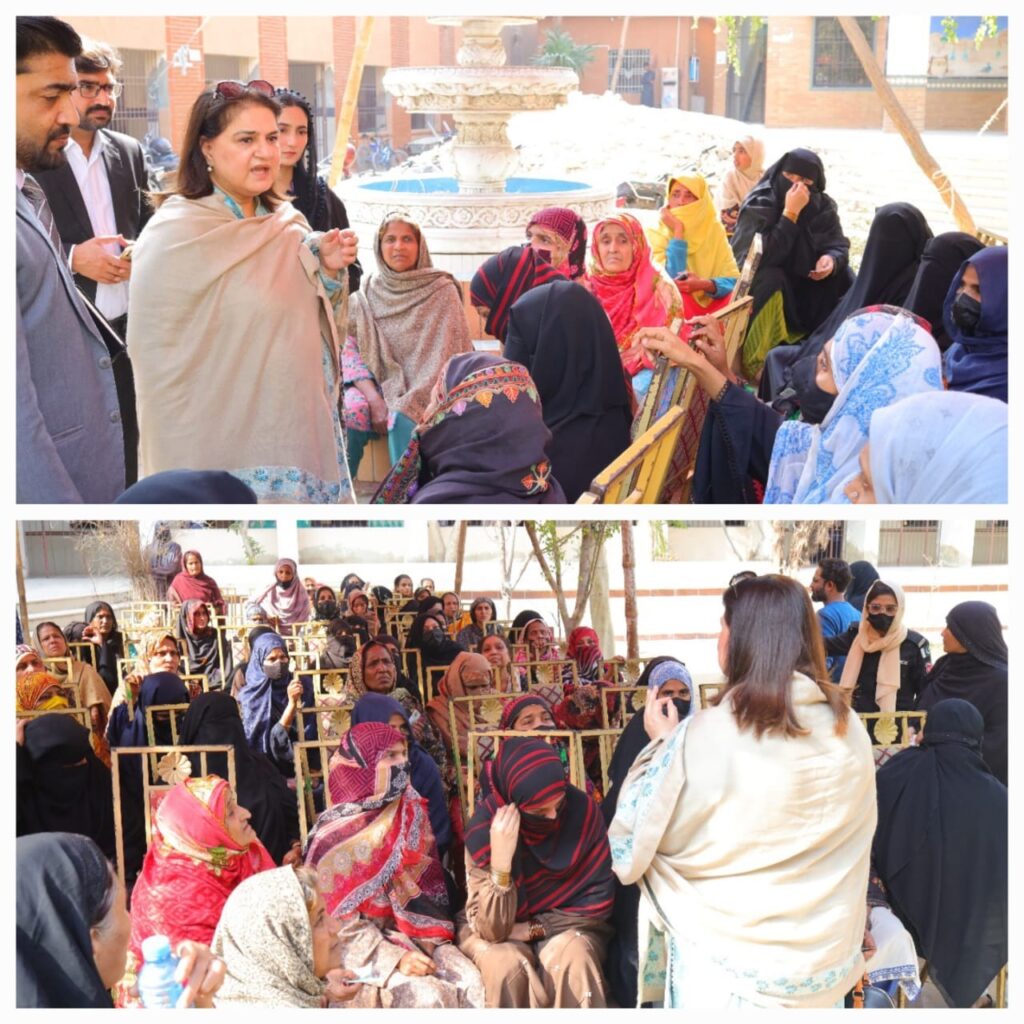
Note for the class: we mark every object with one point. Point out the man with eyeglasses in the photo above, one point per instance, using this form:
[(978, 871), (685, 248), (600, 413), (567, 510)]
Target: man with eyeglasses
[(97, 196)]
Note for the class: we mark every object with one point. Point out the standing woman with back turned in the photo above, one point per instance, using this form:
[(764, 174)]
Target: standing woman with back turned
[(235, 300), (727, 922)]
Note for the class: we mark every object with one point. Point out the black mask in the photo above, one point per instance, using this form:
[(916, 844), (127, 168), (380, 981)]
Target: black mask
[(275, 670), (285, 584), (966, 313), (327, 609), (681, 706), (881, 623)]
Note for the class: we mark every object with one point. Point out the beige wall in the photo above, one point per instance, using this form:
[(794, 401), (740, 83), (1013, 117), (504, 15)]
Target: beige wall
[(236, 37), (309, 40), (129, 33)]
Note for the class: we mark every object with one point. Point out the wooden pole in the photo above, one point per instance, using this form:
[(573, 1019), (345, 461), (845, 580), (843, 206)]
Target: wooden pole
[(22, 600), (629, 586), (460, 554), (350, 97), (911, 136), (620, 54)]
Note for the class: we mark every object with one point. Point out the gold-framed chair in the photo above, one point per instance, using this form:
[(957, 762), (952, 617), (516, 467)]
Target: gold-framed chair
[(332, 719), (495, 736), (631, 701), (987, 237), (82, 650), (327, 682), (306, 779), (412, 664), (891, 731), (172, 711), (81, 715), (708, 692), (606, 740), (63, 672), (174, 766)]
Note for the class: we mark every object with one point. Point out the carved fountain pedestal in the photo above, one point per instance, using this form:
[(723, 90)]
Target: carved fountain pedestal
[(485, 207)]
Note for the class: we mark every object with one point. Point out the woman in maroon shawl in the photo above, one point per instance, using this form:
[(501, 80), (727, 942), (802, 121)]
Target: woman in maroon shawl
[(540, 885), (374, 854), (192, 584)]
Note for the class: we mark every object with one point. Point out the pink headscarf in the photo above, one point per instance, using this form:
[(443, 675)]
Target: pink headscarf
[(572, 229), (290, 604)]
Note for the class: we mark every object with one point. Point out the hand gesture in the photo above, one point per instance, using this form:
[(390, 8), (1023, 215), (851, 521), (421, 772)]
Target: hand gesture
[(200, 972), (673, 223), (797, 198), (729, 218), (662, 341), (295, 693), (416, 964), (706, 337), (294, 855), (338, 249), (90, 634), (91, 259), (822, 268), (504, 837), (378, 415), (660, 716)]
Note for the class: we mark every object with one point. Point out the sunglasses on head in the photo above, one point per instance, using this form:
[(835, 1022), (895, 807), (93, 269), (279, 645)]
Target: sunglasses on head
[(232, 89)]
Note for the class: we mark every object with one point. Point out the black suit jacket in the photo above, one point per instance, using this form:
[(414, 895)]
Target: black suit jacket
[(129, 180)]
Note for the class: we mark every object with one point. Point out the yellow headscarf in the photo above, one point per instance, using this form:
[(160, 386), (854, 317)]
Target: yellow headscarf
[(708, 252)]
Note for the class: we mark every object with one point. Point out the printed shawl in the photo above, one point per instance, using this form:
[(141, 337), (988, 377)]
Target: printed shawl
[(373, 850), (503, 279), (887, 678), (197, 588)]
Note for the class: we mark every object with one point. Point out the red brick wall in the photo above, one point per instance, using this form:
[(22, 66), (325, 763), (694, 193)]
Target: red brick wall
[(789, 98), (183, 89), (965, 110), (344, 40), (273, 54), (399, 119)]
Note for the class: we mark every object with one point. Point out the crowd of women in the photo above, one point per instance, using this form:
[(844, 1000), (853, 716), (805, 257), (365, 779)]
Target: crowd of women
[(389, 353), (736, 851)]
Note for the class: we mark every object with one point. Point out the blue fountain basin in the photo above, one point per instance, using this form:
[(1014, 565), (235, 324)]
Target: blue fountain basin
[(440, 185)]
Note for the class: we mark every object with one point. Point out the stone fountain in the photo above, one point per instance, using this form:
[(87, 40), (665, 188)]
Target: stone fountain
[(484, 207)]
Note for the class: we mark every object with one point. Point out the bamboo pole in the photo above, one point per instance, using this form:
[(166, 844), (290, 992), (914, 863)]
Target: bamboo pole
[(911, 136), (347, 107), (629, 586), (620, 54), (460, 554)]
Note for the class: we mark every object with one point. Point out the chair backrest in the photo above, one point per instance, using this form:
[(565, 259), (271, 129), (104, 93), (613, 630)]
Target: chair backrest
[(176, 763), (708, 692), (333, 717), (412, 662), (83, 651), (173, 711), (81, 715), (637, 475), (64, 670), (327, 682), (750, 264), (987, 237), (605, 740), (626, 701), (891, 731), (307, 778)]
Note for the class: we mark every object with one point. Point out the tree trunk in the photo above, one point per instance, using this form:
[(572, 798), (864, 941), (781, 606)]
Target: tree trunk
[(905, 126), (629, 586), (619, 55), (600, 607), (549, 575), (347, 107), (460, 554)]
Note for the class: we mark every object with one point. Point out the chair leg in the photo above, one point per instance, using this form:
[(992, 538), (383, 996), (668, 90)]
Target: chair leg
[(1001, 989)]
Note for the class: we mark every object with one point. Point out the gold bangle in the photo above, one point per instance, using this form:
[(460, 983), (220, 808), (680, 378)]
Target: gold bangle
[(502, 879), (536, 931)]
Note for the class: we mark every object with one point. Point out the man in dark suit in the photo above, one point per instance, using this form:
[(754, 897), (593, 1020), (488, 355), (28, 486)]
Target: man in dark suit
[(70, 445), (97, 195)]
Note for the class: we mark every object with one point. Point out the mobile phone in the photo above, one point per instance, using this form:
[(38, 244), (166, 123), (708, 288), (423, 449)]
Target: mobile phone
[(126, 253)]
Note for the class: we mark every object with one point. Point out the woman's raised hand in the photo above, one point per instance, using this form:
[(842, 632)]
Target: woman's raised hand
[(663, 342), (295, 693), (660, 716), (338, 249), (416, 964), (673, 223), (504, 837), (707, 338), (797, 198)]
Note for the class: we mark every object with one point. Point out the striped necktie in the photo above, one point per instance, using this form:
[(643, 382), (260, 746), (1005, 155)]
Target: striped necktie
[(35, 195)]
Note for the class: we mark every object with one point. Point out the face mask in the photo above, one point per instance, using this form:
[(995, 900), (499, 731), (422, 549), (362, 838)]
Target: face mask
[(275, 670), (327, 609), (285, 584), (398, 782), (966, 313), (682, 707), (437, 634), (535, 825), (52, 703), (881, 623)]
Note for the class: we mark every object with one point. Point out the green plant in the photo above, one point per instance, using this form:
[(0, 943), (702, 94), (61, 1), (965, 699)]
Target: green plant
[(989, 28), (251, 547), (560, 51)]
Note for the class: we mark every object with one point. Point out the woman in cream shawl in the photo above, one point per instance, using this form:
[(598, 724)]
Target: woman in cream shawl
[(747, 168), (408, 320), (748, 826), (234, 298)]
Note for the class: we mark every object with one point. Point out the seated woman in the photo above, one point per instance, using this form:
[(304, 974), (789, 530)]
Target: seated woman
[(746, 171), (279, 946), (940, 851), (562, 234), (325, 603), (482, 440), (633, 291), (238, 675), (61, 784), (192, 584), (297, 177), (892, 254), (102, 632), (877, 357), (538, 645), (224, 230), (408, 321), (726, 923), (424, 772), (358, 618), (886, 663), (403, 586), (690, 243), (540, 885), (214, 719), (74, 928), (939, 267), (376, 862), (804, 269), (209, 651), (202, 848), (976, 317), (560, 333), (270, 700), (974, 668), (482, 616), (667, 678), (38, 691), (960, 452), (285, 601), (583, 646), (496, 650), (428, 635)]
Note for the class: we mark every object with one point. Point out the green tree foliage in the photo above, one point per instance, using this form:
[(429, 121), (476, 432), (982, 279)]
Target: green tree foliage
[(560, 51)]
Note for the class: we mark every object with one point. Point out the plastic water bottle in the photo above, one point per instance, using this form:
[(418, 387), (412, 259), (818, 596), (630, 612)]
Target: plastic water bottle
[(157, 987)]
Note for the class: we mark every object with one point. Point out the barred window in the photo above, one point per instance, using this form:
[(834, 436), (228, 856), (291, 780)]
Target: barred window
[(908, 542), (990, 542), (634, 64), (836, 66), (144, 77)]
